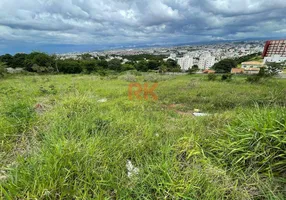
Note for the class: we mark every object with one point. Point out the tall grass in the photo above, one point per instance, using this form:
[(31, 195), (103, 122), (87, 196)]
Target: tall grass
[(77, 147)]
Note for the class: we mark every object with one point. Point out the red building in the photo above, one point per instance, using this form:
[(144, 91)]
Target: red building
[(274, 47)]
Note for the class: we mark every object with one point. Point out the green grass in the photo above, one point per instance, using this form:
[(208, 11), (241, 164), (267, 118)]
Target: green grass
[(59, 142)]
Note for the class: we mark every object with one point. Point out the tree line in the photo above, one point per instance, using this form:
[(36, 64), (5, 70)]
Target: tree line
[(43, 63)]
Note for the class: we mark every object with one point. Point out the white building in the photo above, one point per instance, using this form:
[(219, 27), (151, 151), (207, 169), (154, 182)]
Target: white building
[(186, 62), (274, 58), (206, 62)]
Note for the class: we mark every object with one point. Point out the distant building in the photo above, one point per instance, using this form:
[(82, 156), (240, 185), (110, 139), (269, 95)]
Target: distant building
[(206, 60), (251, 70), (209, 71), (274, 51), (237, 71), (186, 63), (251, 64)]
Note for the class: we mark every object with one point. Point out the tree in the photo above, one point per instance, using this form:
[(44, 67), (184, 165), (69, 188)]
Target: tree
[(195, 67), (141, 66), (86, 56), (224, 66), (172, 66), (39, 59), (18, 60), (153, 64), (69, 66), (273, 68), (89, 66), (3, 69), (8, 59), (193, 70), (126, 67), (163, 69), (115, 64)]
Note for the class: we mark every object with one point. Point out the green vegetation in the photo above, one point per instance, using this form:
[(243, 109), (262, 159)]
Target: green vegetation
[(250, 57), (43, 63), (71, 137), (224, 66), (2, 69)]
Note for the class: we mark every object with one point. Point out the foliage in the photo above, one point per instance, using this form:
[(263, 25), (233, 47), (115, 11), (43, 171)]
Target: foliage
[(8, 59), (253, 78), (273, 68), (144, 57), (224, 66), (193, 70), (141, 66), (226, 77), (2, 69), (212, 77), (247, 57), (115, 64)]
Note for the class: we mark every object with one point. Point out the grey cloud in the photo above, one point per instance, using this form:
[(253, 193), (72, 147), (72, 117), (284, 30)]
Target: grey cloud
[(132, 21)]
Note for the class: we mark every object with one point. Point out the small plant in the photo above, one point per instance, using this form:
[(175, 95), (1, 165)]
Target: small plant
[(212, 77), (253, 78), (129, 78), (3, 70), (226, 77)]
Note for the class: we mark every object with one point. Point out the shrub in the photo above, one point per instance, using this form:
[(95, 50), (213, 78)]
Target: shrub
[(253, 78), (3, 70), (226, 77), (129, 78), (212, 77)]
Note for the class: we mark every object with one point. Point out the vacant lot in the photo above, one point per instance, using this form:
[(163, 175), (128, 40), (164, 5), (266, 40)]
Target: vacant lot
[(80, 137)]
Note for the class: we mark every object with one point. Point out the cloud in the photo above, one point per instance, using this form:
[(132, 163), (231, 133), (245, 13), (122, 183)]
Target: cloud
[(100, 22)]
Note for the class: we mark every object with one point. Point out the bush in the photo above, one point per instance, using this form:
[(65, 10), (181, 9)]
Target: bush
[(129, 78), (253, 78), (3, 70), (226, 77), (212, 77)]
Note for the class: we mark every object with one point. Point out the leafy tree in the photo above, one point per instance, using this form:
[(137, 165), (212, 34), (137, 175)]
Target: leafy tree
[(141, 66), (224, 66), (273, 68), (126, 67), (115, 64), (19, 60), (86, 56), (195, 67), (39, 59), (163, 69), (8, 59), (153, 64), (89, 66), (69, 66), (103, 64), (193, 70), (172, 66)]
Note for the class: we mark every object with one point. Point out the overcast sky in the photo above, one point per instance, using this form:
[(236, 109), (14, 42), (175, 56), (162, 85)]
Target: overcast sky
[(69, 25)]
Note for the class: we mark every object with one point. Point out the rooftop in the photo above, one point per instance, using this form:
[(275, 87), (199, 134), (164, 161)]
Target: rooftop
[(252, 63)]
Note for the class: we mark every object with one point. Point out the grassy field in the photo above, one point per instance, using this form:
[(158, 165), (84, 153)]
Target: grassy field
[(80, 137)]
